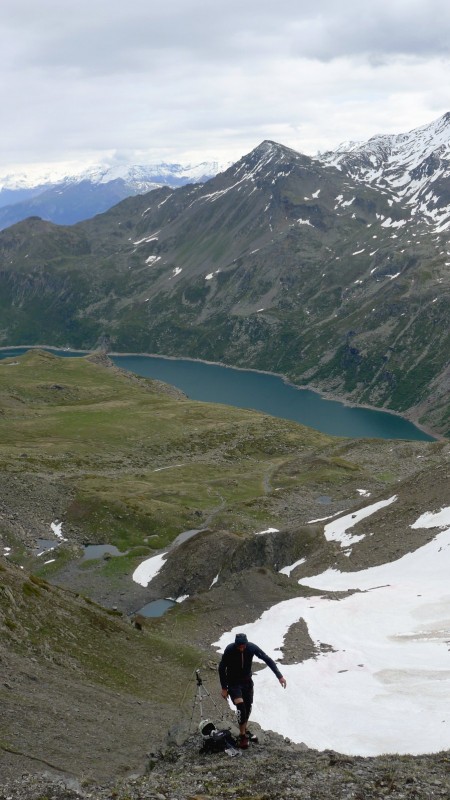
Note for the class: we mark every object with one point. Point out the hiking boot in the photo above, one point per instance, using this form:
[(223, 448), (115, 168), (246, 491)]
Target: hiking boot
[(243, 742), (252, 737)]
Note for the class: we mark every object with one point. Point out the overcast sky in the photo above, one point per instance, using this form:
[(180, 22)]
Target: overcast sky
[(189, 80)]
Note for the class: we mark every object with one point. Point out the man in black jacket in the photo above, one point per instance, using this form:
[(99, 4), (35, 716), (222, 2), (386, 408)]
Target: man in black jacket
[(235, 673)]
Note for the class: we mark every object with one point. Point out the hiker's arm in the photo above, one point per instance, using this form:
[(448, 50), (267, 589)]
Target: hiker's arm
[(270, 663), (223, 676)]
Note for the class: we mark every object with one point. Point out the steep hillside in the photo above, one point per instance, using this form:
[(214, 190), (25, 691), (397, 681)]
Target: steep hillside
[(279, 263), (82, 691)]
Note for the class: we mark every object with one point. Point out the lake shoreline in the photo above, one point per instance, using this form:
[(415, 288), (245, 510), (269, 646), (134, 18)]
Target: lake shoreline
[(308, 387)]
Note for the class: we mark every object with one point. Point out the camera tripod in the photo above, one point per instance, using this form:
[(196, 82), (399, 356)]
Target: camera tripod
[(201, 695)]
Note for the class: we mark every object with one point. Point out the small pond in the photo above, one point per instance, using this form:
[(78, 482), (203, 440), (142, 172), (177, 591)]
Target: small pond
[(45, 546), (156, 608), (92, 551)]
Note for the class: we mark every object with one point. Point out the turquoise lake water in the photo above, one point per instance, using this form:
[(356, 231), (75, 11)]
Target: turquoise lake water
[(262, 392)]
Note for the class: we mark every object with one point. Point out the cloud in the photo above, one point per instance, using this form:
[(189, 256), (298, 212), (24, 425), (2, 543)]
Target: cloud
[(105, 36), (194, 78), (380, 31)]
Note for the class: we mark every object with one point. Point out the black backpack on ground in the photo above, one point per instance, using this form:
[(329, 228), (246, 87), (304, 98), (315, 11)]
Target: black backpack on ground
[(216, 741)]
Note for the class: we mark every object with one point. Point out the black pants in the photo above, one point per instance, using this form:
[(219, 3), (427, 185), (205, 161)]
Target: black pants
[(244, 690)]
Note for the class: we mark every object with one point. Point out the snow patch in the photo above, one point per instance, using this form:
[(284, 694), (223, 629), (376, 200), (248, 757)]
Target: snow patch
[(337, 531), (268, 530), (210, 275), (288, 570), (57, 530), (149, 569), (146, 239)]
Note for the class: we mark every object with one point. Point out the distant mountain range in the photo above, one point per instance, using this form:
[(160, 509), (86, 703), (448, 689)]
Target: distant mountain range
[(72, 198), (333, 271)]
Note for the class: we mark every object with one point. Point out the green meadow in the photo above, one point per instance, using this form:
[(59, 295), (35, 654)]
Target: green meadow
[(140, 463)]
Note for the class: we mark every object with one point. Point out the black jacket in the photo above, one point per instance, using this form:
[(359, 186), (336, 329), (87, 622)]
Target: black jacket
[(236, 667)]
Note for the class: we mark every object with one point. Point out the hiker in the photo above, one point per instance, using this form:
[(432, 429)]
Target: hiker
[(235, 673)]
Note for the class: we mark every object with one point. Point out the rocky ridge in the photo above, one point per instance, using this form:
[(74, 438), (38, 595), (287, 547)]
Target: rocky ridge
[(413, 167), (275, 768)]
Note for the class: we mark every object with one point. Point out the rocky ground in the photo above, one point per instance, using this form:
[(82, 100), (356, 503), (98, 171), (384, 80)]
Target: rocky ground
[(274, 768)]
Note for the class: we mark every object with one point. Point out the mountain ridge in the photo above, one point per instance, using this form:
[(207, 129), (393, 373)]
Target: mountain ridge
[(109, 171), (414, 166)]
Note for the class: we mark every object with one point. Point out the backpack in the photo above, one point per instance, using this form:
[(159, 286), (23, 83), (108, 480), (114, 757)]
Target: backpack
[(216, 741)]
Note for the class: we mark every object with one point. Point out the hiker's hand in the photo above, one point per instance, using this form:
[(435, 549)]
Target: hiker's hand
[(225, 693), (283, 682)]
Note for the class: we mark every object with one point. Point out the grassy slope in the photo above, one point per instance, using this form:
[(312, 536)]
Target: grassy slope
[(41, 621), (138, 466)]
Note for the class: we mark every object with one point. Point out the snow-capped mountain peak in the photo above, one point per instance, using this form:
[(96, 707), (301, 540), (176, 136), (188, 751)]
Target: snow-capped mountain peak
[(264, 159), (414, 166)]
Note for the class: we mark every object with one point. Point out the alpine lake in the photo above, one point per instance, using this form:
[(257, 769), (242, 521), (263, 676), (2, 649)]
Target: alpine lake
[(260, 391)]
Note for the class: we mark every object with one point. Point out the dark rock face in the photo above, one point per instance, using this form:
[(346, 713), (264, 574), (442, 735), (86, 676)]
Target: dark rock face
[(193, 566)]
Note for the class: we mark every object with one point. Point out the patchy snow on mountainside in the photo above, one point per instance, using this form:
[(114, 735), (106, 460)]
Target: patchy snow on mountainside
[(414, 166), (381, 683), (337, 531)]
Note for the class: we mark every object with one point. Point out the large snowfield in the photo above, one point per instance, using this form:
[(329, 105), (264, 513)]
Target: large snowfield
[(381, 683)]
